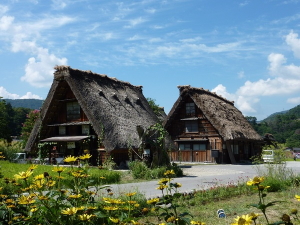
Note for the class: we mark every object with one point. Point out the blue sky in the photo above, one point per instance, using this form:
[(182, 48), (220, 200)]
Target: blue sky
[(248, 51)]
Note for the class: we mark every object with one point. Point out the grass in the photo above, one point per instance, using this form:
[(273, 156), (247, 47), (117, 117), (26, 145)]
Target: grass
[(202, 205), (8, 170), (239, 205)]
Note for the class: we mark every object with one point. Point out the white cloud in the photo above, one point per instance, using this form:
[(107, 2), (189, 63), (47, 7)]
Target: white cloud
[(157, 27), (241, 74), (189, 40), (58, 4), (284, 80), (246, 104), (277, 67), (39, 70), (29, 95), (22, 36), (221, 90), (242, 4), (135, 38), (294, 100), (3, 9), (153, 40), (135, 22), (5, 94), (269, 87), (293, 41), (5, 22), (150, 10), (48, 22), (104, 36), (243, 103)]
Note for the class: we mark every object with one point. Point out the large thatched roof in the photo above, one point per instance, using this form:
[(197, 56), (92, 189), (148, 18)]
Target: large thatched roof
[(112, 106), (220, 112)]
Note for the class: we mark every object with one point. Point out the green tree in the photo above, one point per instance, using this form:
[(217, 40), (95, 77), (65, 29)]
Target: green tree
[(294, 140), (159, 111), (252, 120), (28, 125), (20, 115), (156, 109), (5, 132)]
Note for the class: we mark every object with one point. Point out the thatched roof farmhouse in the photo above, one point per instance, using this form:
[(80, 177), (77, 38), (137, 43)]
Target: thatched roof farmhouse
[(208, 127), (85, 110)]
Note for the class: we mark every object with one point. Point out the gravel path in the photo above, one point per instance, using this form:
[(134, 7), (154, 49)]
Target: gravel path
[(200, 172), (211, 170)]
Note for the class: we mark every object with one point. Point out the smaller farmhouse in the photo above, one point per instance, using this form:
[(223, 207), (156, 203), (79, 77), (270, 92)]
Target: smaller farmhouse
[(86, 112), (208, 128)]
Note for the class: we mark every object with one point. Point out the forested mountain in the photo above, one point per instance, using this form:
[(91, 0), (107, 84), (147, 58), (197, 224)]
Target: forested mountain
[(25, 103), (284, 126)]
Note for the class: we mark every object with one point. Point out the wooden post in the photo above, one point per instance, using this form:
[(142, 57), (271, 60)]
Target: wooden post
[(230, 153)]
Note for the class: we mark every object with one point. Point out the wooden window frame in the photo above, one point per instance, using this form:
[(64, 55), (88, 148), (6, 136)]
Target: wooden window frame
[(190, 109), (73, 111), (191, 126)]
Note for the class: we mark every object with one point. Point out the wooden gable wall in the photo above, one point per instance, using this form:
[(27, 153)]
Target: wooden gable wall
[(177, 127), (57, 113), (205, 133)]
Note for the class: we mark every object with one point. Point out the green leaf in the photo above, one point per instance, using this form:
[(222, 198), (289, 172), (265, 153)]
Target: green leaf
[(277, 223), (177, 195), (100, 214), (185, 214)]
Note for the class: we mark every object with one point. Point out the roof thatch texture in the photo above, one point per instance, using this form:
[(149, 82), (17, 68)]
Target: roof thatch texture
[(112, 106), (220, 112)]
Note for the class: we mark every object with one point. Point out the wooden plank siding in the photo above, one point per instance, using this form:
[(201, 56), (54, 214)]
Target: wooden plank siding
[(191, 156)]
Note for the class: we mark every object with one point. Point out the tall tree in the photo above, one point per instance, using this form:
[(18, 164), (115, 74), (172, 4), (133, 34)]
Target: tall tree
[(20, 116), (252, 120), (294, 140), (28, 125), (4, 122)]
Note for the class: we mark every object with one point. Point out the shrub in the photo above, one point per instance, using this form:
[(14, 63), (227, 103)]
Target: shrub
[(155, 173), (111, 176), (277, 175), (109, 163), (138, 169), (275, 184), (10, 149), (178, 171)]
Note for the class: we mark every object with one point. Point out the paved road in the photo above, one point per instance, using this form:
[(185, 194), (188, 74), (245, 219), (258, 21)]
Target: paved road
[(200, 177)]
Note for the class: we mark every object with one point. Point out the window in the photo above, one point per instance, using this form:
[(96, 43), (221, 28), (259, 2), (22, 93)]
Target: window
[(190, 108), (199, 147), (191, 146), (184, 147), (85, 129), (73, 111), (235, 149), (62, 130), (191, 126)]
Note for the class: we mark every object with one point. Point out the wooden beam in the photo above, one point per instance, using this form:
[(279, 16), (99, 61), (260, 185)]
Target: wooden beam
[(230, 153)]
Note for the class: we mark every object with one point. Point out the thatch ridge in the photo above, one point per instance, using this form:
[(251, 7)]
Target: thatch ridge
[(183, 88), (67, 70)]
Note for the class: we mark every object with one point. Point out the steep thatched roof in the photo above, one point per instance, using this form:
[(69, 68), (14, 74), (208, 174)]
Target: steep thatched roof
[(112, 106), (221, 113)]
